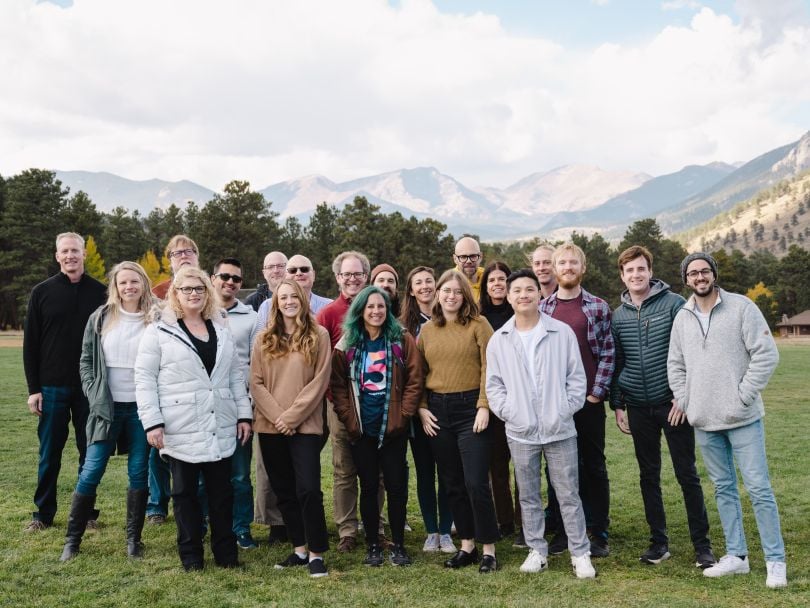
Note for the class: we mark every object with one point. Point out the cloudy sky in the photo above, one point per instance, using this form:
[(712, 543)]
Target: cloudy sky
[(487, 91)]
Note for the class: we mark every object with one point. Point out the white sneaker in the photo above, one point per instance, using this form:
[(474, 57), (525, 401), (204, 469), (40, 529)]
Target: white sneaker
[(446, 544), (534, 562), (777, 575), (728, 564), (431, 543), (582, 566)]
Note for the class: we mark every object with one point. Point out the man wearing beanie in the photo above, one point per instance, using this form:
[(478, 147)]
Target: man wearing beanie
[(721, 356), (385, 277)]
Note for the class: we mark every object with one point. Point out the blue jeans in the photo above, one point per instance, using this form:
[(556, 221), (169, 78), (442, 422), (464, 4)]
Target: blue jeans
[(60, 404), (125, 419), (746, 445), (242, 488), (159, 485)]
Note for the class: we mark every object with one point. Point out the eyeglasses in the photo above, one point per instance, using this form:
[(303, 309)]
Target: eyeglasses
[(473, 257), (182, 253), (198, 289), (229, 277), (273, 267), (704, 272), (294, 269), (351, 275), (446, 291)]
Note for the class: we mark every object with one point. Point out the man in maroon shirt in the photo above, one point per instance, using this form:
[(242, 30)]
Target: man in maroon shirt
[(351, 270), (589, 317)]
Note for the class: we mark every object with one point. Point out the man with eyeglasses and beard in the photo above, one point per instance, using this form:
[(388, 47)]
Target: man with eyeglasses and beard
[(721, 356), (467, 257), (227, 281)]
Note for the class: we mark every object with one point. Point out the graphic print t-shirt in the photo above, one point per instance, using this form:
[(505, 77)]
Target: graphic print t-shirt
[(372, 386)]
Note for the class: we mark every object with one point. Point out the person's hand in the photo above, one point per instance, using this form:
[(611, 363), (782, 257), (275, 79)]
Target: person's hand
[(676, 415), (481, 420), (622, 422), (155, 438), (283, 427), (429, 422), (592, 399), (243, 431), (35, 404)]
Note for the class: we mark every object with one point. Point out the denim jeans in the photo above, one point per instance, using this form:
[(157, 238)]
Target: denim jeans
[(60, 404), (159, 485), (242, 488), (125, 420), (430, 497), (746, 445)]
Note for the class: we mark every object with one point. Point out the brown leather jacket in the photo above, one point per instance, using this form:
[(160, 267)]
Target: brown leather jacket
[(407, 384)]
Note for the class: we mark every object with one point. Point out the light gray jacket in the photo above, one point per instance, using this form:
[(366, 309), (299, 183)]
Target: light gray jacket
[(717, 376), (198, 413), (543, 411)]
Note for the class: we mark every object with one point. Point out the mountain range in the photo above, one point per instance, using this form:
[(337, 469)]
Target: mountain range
[(552, 203)]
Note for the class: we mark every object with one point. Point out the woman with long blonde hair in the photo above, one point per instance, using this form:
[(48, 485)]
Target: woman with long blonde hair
[(289, 374), (106, 367)]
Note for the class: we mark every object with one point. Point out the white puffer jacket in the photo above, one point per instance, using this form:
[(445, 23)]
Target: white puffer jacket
[(198, 413)]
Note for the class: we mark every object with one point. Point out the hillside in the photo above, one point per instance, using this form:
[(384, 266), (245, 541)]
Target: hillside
[(773, 220)]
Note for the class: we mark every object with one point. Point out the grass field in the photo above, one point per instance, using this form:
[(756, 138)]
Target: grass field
[(31, 575)]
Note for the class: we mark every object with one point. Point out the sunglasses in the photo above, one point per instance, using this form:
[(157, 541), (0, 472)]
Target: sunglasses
[(229, 277), (294, 270)]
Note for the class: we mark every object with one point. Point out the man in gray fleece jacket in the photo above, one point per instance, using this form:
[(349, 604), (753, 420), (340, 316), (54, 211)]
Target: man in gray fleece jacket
[(721, 355)]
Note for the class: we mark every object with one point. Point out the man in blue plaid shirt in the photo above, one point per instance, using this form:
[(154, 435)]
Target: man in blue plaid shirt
[(589, 317)]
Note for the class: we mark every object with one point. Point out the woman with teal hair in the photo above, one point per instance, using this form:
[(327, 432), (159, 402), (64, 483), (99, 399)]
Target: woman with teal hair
[(376, 386)]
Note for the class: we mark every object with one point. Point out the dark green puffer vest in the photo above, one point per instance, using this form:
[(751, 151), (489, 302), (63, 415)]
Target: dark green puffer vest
[(642, 344)]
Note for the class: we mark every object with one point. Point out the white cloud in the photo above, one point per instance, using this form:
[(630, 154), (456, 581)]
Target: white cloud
[(272, 90)]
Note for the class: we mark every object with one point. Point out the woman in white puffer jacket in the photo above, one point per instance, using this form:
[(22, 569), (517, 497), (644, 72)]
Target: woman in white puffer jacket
[(194, 408)]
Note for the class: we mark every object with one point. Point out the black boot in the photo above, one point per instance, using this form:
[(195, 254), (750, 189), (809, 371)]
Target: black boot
[(80, 508), (136, 512)]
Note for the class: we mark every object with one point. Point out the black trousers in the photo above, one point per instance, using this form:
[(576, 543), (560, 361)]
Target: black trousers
[(462, 458), (294, 469), (507, 510), (388, 459), (188, 510), (646, 424)]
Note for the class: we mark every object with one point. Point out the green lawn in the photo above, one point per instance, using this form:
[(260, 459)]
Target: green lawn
[(31, 575)]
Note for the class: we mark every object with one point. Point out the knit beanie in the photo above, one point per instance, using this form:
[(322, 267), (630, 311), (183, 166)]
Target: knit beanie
[(698, 255), (383, 268)]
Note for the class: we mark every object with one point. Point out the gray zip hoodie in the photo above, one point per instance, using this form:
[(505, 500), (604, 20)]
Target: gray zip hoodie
[(717, 376)]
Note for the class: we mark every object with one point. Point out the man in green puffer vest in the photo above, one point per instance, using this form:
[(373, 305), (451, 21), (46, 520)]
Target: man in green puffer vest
[(644, 405)]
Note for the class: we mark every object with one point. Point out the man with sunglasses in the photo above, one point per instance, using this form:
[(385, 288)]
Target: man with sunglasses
[(467, 257), (721, 356), (299, 268), (227, 280)]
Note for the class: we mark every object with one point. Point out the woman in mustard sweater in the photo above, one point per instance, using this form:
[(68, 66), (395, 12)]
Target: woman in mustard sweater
[(455, 415), (289, 374)]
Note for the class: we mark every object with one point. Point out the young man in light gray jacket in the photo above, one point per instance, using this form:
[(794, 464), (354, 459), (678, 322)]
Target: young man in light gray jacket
[(721, 355), (535, 384)]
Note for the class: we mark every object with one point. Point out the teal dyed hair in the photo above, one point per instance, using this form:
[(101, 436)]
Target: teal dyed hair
[(354, 328)]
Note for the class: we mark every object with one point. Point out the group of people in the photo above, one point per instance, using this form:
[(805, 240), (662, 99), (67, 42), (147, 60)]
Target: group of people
[(474, 368)]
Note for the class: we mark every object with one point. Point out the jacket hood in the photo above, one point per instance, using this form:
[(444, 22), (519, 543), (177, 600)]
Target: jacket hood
[(657, 287)]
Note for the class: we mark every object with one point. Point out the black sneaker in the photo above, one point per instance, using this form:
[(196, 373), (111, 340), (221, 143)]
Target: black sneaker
[(317, 568), (657, 553), (399, 557), (704, 558), (599, 546), (374, 556), (292, 561), (558, 544), (520, 540)]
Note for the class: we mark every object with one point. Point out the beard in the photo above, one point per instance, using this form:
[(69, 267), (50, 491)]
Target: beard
[(568, 281)]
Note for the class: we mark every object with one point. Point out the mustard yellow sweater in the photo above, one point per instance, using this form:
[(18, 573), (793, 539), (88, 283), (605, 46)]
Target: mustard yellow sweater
[(455, 357)]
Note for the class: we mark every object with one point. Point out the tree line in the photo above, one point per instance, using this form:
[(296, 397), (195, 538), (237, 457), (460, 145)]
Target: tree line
[(35, 207)]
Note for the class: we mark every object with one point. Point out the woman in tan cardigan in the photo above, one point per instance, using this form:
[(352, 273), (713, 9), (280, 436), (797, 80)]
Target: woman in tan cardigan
[(289, 374)]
